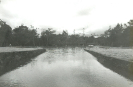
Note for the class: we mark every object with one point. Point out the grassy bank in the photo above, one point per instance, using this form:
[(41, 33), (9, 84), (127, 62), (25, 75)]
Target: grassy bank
[(16, 49), (114, 60), (16, 57), (122, 53)]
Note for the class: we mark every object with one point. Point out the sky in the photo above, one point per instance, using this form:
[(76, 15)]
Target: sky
[(95, 16)]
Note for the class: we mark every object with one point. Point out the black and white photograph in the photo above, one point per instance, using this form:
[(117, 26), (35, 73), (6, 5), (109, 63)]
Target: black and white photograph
[(66, 43)]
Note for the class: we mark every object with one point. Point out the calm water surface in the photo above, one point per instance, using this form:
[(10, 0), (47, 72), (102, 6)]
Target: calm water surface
[(64, 67)]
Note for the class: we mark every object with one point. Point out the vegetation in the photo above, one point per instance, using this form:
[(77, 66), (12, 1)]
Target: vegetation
[(120, 35), (5, 33)]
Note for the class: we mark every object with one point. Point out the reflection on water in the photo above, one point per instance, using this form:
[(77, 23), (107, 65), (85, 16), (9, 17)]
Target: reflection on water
[(64, 67)]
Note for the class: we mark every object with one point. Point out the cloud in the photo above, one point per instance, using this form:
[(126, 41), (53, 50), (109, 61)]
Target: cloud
[(85, 12), (66, 14), (5, 13)]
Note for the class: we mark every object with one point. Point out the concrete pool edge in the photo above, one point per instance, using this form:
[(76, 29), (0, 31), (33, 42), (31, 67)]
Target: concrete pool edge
[(12, 60), (122, 67)]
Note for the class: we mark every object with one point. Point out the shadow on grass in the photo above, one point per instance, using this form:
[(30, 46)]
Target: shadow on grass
[(122, 67), (12, 60)]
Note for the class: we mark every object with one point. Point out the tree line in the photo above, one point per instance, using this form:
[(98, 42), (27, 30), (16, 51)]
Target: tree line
[(25, 36), (120, 35)]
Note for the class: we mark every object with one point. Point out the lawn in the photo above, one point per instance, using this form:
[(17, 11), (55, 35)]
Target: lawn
[(14, 49), (116, 52)]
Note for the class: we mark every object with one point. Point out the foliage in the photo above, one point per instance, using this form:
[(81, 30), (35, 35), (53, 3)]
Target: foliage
[(23, 36), (120, 35), (5, 33)]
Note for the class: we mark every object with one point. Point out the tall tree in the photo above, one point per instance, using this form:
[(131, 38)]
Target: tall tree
[(48, 36), (64, 37), (23, 36), (5, 33)]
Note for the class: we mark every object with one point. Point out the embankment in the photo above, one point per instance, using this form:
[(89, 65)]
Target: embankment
[(122, 67), (12, 60)]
